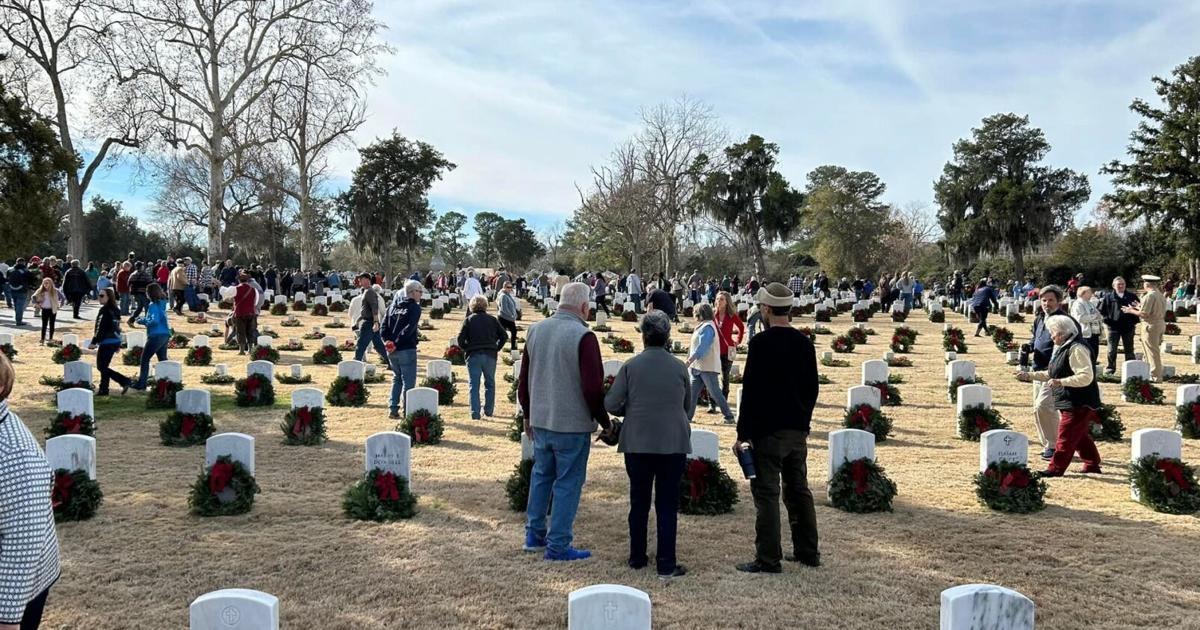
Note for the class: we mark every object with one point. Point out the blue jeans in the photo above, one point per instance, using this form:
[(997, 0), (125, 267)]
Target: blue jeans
[(482, 364), (559, 469), (404, 373), (124, 302), (19, 298), (155, 345), (368, 337), (908, 301), (636, 298), (752, 325), (708, 380)]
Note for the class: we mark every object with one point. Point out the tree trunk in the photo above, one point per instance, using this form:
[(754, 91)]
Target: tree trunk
[(760, 264), (1018, 262), (77, 236), (310, 246)]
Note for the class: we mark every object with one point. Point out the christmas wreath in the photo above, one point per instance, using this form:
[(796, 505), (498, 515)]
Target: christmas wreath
[(436, 313), (455, 355), (445, 388), (857, 335), (67, 353), (199, 318), (255, 390), (292, 346), (1172, 329), (976, 420), (862, 315), (1000, 335), (1009, 487), (132, 356), (899, 316), (899, 362), (900, 344), (889, 395), (198, 355), (185, 429), (303, 426), (608, 382), (161, 393), (291, 323), (264, 353), (602, 328), (226, 305), (1141, 391), (1015, 318), (336, 324), (952, 388), (868, 419), (1165, 484), (1187, 420), (320, 310), (822, 330), (1107, 425), (213, 378), (177, 341), (75, 496), (299, 305), (9, 351), (315, 334), (426, 325), (805, 330), (1170, 317), (379, 496), (954, 341), (622, 345), (861, 486), (279, 309), (229, 345), (67, 423), (327, 355), (842, 344), (423, 426), (224, 489), (516, 427), (337, 307), (517, 486), (831, 362), (706, 488), (906, 332), (822, 315), (347, 392), (937, 317)]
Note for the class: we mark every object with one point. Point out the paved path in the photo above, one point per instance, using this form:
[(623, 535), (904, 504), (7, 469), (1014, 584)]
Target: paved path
[(33, 322)]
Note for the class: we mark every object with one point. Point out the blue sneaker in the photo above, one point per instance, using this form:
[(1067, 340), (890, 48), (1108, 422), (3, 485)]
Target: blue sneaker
[(533, 542), (566, 556)]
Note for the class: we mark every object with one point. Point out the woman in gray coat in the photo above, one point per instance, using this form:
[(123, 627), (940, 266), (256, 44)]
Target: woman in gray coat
[(654, 394)]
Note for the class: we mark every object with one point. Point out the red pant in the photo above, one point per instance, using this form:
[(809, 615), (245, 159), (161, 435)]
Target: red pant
[(1075, 434)]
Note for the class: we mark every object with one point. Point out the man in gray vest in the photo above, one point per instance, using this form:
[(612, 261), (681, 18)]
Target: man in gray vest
[(562, 364)]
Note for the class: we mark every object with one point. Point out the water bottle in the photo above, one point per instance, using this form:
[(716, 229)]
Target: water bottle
[(745, 458)]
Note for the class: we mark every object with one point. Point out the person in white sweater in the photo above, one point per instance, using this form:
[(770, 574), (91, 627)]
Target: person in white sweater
[(1090, 321)]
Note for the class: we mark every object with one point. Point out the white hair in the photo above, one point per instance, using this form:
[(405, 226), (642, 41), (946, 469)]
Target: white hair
[(413, 285), (1061, 324), (575, 294)]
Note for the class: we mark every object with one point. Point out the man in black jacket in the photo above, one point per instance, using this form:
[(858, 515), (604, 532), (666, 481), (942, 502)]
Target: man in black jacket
[(1120, 324), (138, 281), (75, 285)]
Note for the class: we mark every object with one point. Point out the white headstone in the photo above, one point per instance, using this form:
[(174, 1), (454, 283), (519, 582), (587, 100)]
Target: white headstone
[(264, 341), (863, 395), (301, 297), (516, 369), (951, 356), (72, 452), (170, 370), (1160, 442), (6, 339), (1000, 445), (608, 606), (421, 398), (238, 446), (1134, 369), (135, 339), (328, 341), (612, 366), (77, 372), (601, 319), (705, 445), (874, 371), (234, 609), (889, 355), (353, 370), (310, 397), (526, 447), (390, 451), (960, 369), (1187, 394), (296, 370), (320, 301), (439, 368), (985, 607), (70, 339), (974, 396), (266, 368), (193, 401), (827, 355), (1196, 346), (847, 445), (222, 369), (200, 341), (281, 299), (76, 401)]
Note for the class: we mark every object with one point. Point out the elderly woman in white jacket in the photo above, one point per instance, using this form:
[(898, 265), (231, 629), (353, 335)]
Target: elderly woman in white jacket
[(1089, 318)]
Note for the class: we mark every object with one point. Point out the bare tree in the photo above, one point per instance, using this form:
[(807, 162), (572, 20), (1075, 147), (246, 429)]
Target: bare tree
[(55, 44), (617, 203)]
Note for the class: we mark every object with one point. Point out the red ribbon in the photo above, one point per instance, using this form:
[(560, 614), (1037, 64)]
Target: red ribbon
[(385, 487), (863, 415), (186, 425), (1196, 414), (160, 388), (859, 472), (1174, 474), (1147, 393), (421, 429), (303, 420), (252, 386), (352, 389), (696, 471), (219, 476), (1015, 479), (982, 424), (63, 482), (73, 424), (883, 391)]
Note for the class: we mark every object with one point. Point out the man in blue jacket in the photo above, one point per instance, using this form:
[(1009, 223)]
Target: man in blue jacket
[(399, 332)]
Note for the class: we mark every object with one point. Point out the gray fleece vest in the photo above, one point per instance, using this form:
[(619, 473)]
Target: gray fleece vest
[(555, 389)]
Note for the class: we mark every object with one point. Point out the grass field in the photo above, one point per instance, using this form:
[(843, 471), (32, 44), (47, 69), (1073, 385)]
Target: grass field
[(1091, 559)]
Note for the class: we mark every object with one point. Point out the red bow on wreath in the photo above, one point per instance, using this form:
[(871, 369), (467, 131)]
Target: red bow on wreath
[(1196, 414), (352, 388), (1174, 474), (1147, 393), (303, 420), (385, 487), (1018, 478), (421, 429), (219, 476), (187, 424), (697, 470), (252, 386), (883, 392), (859, 472), (63, 482), (160, 388), (982, 424), (863, 415), (73, 424)]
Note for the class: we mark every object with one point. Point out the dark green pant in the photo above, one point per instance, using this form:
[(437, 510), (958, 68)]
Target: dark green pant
[(783, 455)]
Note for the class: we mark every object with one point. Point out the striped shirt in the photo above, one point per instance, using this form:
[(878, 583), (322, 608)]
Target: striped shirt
[(28, 543), (796, 284)]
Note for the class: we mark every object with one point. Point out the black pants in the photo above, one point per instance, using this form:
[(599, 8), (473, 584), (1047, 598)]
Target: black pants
[(76, 299), (142, 301), (783, 455), (104, 357), (726, 366), (662, 474), (602, 302), (511, 327), (48, 318), (981, 312), (1124, 337), (32, 618), (178, 295)]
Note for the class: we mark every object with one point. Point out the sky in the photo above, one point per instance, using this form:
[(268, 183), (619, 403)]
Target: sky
[(525, 96)]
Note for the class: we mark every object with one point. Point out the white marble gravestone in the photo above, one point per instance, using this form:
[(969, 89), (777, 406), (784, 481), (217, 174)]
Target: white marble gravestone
[(601, 319), (193, 401), (1196, 346), (296, 370), (264, 341), (353, 370), (390, 451), (281, 299), (439, 368), (75, 401), (328, 341), (77, 372), (874, 371), (603, 606), (221, 369), (526, 447), (266, 368), (1186, 394), (421, 398), (516, 370), (889, 355), (320, 300), (705, 445), (974, 396), (310, 397), (827, 355), (72, 452), (170, 370), (1134, 369), (863, 395), (960, 369), (238, 446), (1000, 445), (70, 339), (6, 339), (200, 341), (135, 339), (985, 607), (612, 366), (301, 297), (1159, 442), (847, 445), (234, 609)]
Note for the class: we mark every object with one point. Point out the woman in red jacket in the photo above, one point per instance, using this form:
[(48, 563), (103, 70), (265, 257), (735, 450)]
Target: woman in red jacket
[(730, 331)]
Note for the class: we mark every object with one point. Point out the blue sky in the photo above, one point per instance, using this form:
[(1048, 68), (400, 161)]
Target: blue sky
[(525, 96)]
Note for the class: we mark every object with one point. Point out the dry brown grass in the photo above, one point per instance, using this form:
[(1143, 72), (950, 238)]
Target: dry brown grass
[(1092, 559)]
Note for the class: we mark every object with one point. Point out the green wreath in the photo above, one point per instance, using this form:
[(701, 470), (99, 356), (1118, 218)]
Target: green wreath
[(706, 488), (1107, 427), (899, 316), (857, 335), (198, 355), (327, 355), (292, 347), (423, 426), (937, 317), (976, 420), (842, 344), (74, 496), (337, 307), (622, 345), (1009, 487), (820, 316), (861, 486), (290, 323), (347, 392), (1187, 419), (288, 379), (225, 474), (67, 423), (67, 353), (445, 387), (869, 419), (299, 306), (132, 356), (59, 385), (304, 426), (1165, 484), (185, 429), (161, 393), (379, 496), (516, 488), (862, 315), (320, 310), (9, 351), (834, 363), (455, 355), (264, 353), (1141, 391), (279, 309), (255, 390), (901, 362), (889, 395), (213, 378), (177, 341), (952, 388), (954, 341), (516, 428)]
